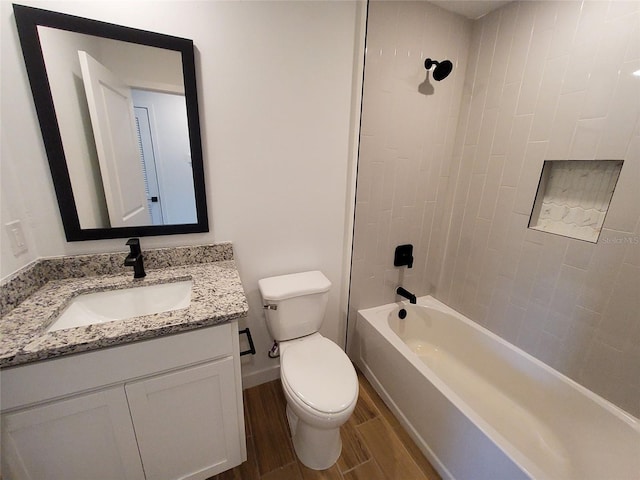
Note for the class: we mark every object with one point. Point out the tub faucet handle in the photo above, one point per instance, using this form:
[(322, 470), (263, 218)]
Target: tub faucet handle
[(134, 246), (403, 256)]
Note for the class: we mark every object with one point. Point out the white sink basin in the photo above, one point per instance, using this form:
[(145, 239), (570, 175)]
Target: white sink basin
[(111, 305)]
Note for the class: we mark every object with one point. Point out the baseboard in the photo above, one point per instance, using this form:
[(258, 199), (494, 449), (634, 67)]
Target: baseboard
[(261, 376)]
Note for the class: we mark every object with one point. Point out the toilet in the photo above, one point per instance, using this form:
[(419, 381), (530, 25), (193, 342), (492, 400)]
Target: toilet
[(318, 379)]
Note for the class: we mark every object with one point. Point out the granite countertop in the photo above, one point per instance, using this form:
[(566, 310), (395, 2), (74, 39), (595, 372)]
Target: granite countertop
[(217, 297)]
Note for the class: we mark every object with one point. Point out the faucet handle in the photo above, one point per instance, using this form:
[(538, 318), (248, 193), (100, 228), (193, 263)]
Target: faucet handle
[(134, 245), (403, 256)]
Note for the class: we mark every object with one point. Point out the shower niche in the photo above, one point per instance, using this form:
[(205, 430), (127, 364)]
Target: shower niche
[(573, 197)]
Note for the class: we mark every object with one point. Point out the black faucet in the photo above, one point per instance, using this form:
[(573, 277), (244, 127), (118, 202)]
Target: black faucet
[(134, 259), (406, 294)]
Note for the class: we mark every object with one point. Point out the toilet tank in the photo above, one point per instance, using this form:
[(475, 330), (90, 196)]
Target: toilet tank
[(295, 304)]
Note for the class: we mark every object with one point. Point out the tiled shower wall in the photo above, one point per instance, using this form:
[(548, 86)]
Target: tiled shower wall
[(544, 80), (551, 80), (406, 147)]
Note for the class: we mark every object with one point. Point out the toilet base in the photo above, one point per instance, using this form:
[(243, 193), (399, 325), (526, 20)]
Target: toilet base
[(316, 448)]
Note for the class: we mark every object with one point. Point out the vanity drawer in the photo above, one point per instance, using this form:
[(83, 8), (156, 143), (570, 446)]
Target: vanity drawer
[(49, 379)]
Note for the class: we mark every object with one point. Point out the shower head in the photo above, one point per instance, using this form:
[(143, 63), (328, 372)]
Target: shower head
[(442, 70)]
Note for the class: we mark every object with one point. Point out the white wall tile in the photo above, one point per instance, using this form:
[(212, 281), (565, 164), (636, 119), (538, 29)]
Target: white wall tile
[(622, 8), (476, 259), (546, 17), (487, 45), (488, 276), (624, 209), (490, 190), (623, 118), (567, 289), (529, 177), (579, 339), (545, 109), (564, 124), (621, 311), (523, 281), (633, 48), (512, 244), (567, 16), (600, 365), (520, 42), (602, 78), (592, 16), (557, 324), (538, 51), (502, 217), (505, 118), (632, 256), (516, 150), (485, 142), (531, 328), (586, 138), (581, 63), (579, 254)]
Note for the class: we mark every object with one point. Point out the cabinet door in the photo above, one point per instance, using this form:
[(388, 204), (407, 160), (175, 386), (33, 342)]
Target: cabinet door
[(186, 422), (89, 436)]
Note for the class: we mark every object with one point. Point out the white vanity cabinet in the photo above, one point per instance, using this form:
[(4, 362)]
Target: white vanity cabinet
[(82, 437), (165, 408), (178, 442)]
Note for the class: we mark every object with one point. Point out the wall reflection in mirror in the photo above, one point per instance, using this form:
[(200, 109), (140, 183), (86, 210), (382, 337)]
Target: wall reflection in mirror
[(126, 115)]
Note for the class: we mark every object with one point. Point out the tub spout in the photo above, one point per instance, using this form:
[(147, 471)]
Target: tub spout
[(406, 294)]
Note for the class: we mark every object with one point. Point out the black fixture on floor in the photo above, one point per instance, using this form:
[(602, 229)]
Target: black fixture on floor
[(134, 259)]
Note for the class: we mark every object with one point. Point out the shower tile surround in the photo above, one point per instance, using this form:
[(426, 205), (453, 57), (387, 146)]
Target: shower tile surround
[(35, 294), (544, 81)]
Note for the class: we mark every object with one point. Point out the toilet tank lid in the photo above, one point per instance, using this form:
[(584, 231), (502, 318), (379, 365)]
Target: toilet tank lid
[(293, 285)]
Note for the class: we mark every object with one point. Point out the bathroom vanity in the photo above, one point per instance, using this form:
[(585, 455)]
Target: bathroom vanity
[(152, 397)]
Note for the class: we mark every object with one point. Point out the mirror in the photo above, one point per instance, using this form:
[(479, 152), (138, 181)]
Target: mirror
[(118, 112)]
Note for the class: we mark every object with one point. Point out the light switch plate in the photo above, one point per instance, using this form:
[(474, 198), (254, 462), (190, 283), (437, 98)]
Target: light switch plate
[(16, 238)]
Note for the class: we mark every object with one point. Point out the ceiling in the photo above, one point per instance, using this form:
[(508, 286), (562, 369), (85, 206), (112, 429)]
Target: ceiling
[(472, 9)]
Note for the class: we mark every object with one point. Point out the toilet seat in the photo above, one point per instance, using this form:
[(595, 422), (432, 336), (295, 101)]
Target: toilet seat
[(320, 375)]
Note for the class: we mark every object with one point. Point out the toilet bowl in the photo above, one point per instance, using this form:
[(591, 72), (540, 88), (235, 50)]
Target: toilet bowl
[(318, 379), (321, 389)]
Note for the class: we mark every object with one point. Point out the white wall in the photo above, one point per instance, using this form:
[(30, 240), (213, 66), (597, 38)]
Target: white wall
[(277, 85)]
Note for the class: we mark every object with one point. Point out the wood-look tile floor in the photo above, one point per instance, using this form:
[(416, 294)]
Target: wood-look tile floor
[(374, 444)]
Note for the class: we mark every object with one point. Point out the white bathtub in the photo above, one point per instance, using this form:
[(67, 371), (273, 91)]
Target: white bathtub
[(480, 408)]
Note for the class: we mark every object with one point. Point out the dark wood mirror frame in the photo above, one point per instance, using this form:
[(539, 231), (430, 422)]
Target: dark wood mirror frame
[(27, 20)]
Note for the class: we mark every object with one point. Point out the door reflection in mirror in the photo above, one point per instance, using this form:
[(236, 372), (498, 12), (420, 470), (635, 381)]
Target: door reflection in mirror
[(114, 130), (122, 173)]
